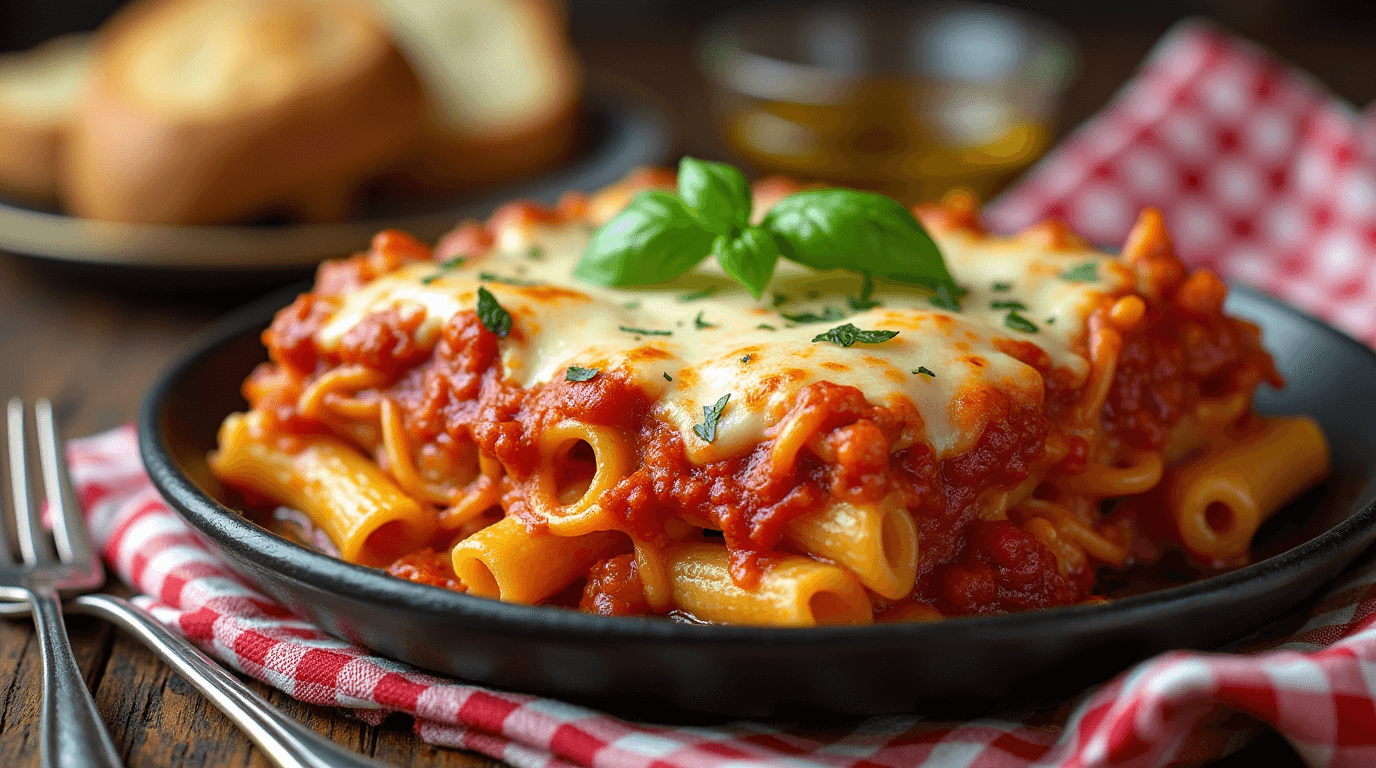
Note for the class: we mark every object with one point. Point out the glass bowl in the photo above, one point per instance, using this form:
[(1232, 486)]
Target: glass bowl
[(906, 100)]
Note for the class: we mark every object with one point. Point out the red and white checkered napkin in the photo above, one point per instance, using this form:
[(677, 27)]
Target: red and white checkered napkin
[(1318, 688), (1262, 174)]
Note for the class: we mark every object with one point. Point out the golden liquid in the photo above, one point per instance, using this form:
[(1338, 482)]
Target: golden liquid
[(883, 139)]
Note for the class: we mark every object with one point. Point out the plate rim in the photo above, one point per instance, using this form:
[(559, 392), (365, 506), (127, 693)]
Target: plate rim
[(229, 530)]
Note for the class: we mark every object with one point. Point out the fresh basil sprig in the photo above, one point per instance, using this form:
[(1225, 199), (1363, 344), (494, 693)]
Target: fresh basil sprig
[(659, 236)]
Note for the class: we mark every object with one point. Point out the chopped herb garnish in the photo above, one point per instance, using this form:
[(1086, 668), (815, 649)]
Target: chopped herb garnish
[(846, 335), (781, 298), (864, 301), (924, 370), (699, 294), (1019, 323), (1008, 304), (1084, 273), (1050, 321), (667, 377), (644, 332), (535, 253), (1001, 286), (579, 373), (491, 314), (631, 304), (428, 279), (701, 324), (828, 315), (946, 299), (707, 430), (495, 278), (766, 327), (745, 359)]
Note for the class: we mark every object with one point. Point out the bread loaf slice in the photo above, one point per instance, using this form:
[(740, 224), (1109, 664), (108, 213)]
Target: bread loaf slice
[(39, 90), (207, 111), (502, 85)]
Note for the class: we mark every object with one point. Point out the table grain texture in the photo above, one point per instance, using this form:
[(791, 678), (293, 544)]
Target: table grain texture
[(93, 343)]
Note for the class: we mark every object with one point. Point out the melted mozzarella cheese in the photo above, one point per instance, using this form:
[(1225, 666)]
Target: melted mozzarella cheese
[(688, 353)]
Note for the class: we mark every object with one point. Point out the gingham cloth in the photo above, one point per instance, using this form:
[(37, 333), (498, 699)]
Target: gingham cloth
[(1261, 174)]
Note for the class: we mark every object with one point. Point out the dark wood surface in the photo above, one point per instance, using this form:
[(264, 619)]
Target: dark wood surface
[(93, 342)]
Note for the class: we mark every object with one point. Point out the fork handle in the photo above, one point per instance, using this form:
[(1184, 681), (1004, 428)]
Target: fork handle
[(284, 741), (73, 735)]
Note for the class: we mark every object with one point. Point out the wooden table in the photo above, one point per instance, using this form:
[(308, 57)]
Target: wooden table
[(93, 348)]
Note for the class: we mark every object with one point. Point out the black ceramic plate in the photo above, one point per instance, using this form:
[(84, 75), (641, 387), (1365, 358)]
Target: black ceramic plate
[(634, 664), (623, 127)]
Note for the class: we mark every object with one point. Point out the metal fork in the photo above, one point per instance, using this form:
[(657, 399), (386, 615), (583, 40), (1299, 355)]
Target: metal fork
[(72, 734), (283, 740)]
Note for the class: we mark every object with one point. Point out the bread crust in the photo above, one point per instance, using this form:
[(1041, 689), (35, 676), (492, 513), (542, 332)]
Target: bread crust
[(157, 152), (34, 116), (453, 153)]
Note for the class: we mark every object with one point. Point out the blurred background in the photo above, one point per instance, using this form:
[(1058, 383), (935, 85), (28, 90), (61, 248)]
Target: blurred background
[(901, 99)]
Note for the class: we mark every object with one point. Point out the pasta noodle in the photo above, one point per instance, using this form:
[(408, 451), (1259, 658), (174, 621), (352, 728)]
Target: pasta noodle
[(795, 591), (507, 562), (687, 450), (368, 517), (1221, 498)]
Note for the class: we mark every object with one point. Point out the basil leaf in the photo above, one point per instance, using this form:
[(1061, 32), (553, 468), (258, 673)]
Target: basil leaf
[(1019, 323), (750, 258), (846, 335), (924, 370), (643, 332), (828, 315), (859, 231), (701, 324), (765, 327), (667, 377), (1003, 286), (491, 314), (1007, 304), (652, 240), (453, 263), (707, 430), (716, 193), (579, 373), (1084, 273)]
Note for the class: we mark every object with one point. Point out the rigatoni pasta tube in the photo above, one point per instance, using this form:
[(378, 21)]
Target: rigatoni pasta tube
[(509, 563), (878, 543), (1219, 499), (354, 502), (794, 591)]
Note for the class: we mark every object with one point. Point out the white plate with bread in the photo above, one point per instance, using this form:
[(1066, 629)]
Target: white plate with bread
[(268, 134)]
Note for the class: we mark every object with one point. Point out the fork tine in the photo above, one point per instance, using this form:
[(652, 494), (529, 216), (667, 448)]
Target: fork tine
[(69, 530), (33, 545)]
